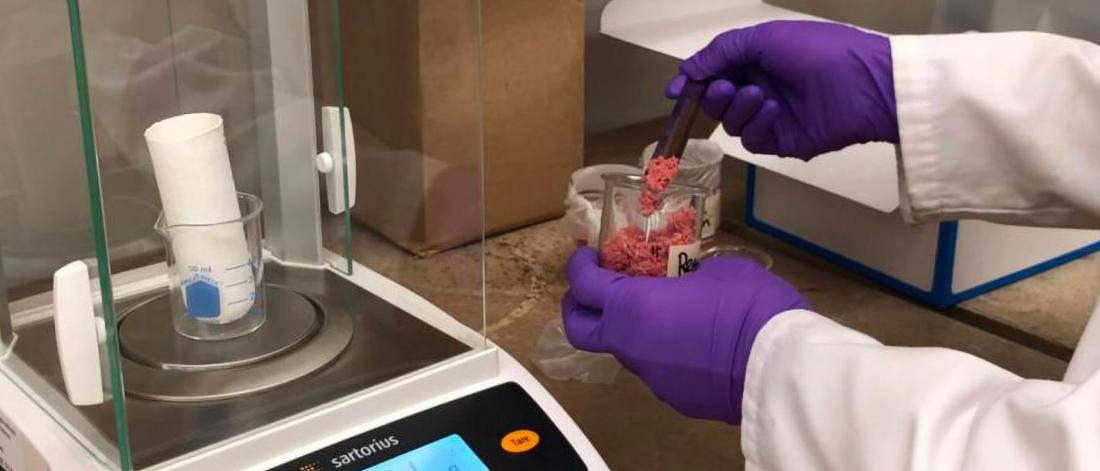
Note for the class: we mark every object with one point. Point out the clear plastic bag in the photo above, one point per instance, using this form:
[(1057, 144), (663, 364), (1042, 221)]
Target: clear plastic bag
[(556, 358)]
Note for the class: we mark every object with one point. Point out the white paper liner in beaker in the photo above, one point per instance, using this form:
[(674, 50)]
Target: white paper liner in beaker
[(195, 181)]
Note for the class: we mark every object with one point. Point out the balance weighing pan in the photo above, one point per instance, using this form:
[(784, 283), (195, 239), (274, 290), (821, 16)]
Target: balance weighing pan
[(324, 338)]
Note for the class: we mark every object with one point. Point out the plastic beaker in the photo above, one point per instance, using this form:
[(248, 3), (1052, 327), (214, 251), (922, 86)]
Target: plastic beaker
[(215, 274), (701, 165), (664, 243)]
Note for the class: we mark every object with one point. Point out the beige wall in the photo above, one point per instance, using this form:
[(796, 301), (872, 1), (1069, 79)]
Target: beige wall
[(623, 83)]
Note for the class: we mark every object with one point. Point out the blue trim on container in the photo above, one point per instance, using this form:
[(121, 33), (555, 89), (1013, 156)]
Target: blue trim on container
[(750, 195), (946, 245), (943, 273), (1026, 272)]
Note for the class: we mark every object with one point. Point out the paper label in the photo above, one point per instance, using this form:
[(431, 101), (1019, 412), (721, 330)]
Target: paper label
[(712, 213), (15, 453), (683, 259)]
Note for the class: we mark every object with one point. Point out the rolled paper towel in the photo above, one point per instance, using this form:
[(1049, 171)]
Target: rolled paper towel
[(202, 216)]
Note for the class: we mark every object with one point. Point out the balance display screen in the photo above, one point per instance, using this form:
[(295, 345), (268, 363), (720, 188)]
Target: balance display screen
[(446, 454)]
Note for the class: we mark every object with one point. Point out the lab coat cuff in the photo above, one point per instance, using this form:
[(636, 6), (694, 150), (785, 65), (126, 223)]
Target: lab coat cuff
[(767, 344), (920, 161)]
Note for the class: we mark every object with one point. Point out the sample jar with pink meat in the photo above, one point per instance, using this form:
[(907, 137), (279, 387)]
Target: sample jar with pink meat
[(637, 242)]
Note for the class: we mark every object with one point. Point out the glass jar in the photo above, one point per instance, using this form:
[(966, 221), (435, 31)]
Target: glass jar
[(664, 243)]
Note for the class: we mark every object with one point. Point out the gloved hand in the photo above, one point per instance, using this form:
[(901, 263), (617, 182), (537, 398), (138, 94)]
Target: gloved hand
[(797, 88), (688, 338)]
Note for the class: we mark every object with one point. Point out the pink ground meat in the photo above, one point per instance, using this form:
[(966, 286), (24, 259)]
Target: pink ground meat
[(659, 173), (627, 251)]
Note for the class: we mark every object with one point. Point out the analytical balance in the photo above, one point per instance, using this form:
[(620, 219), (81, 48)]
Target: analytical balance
[(368, 358)]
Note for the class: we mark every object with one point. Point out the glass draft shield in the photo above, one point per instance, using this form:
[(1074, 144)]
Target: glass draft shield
[(308, 228)]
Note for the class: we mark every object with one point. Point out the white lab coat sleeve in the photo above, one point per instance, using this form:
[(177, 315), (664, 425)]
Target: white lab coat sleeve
[(1003, 127), (819, 396)]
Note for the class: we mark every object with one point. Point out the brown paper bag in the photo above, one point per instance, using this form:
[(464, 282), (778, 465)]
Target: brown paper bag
[(411, 73)]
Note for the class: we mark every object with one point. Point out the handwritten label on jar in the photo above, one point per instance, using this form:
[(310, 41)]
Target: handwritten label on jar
[(712, 213), (683, 259)]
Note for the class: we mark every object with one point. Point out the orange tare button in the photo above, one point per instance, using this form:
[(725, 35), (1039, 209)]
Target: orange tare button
[(520, 441)]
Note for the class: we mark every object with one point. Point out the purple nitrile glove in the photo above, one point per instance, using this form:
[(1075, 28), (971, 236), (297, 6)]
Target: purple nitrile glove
[(797, 88), (688, 338)]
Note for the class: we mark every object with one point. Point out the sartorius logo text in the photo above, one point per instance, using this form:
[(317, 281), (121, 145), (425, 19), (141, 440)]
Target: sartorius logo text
[(374, 447)]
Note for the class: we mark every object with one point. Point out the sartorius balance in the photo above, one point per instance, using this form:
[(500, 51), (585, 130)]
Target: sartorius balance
[(368, 358)]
